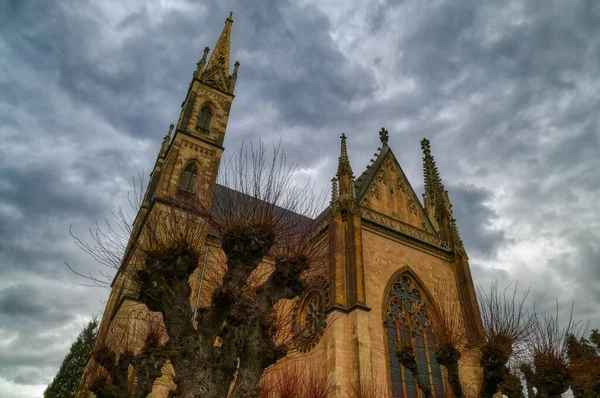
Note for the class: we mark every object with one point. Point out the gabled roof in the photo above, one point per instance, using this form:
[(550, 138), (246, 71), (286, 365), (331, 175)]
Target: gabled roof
[(366, 179)]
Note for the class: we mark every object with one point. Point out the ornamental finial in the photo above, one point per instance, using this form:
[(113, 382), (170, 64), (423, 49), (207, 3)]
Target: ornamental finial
[(383, 136)]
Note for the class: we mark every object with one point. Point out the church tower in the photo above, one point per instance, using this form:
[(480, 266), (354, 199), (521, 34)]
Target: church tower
[(186, 167), (188, 163)]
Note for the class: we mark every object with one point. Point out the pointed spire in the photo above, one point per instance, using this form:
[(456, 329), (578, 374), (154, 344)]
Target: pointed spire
[(220, 55), (434, 188), (344, 163)]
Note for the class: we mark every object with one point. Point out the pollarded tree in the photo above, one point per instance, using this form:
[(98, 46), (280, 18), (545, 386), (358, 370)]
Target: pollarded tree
[(269, 253), (67, 379), (448, 328), (584, 363), (507, 324), (560, 358)]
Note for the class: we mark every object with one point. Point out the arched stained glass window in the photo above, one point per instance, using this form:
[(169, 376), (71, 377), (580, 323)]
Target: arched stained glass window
[(204, 118), (406, 326), (189, 180)]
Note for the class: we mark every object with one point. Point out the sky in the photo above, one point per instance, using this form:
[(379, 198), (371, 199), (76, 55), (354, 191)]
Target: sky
[(507, 91)]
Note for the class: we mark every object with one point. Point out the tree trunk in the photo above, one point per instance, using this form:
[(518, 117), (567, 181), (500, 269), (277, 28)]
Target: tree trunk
[(406, 356), (448, 356), (493, 361)]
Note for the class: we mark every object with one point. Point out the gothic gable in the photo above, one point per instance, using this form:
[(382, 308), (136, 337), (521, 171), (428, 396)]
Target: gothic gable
[(384, 188), (216, 78)]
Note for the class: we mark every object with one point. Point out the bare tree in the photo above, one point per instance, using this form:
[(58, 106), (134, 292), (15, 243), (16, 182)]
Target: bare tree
[(507, 324), (447, 326), (269, 251), (584, 363), (365, 385), (294, 380), (553, 365)]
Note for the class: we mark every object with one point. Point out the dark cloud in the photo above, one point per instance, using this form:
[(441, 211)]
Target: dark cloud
[(471, 207), (506, 92)]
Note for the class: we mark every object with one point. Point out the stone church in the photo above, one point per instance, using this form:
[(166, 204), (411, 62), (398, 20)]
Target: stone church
[(392, 249)]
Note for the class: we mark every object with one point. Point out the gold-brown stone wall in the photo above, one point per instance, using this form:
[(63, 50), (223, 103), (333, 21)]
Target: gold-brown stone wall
[(383, 258)]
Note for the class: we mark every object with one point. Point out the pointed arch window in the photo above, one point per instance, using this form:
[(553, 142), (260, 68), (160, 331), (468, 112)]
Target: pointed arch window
[(406, 325), (189, 180), (204, 118)]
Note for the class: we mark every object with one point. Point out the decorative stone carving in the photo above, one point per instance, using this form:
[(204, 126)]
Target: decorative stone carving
[(196, 147), (400, 184), (412, 207), (374, 191), (403, 228), (213, 94), (381, 177), (309, 318), (389, 164)]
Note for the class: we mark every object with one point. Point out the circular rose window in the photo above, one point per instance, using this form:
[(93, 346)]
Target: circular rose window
[(309, 322)]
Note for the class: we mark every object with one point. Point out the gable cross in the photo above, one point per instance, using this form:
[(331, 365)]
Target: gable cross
[(383, 135)]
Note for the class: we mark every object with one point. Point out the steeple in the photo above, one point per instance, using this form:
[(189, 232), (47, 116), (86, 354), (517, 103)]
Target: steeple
[(220, 55)]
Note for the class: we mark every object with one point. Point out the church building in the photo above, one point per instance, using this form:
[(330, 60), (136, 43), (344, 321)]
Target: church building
[(393, 251)]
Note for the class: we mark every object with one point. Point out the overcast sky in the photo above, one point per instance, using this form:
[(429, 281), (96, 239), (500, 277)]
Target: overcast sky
[(508, 92)]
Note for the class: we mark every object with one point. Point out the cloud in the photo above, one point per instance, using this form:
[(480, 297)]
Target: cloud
[(472, 207), (506, 92)]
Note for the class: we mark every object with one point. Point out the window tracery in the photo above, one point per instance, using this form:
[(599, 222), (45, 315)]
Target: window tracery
[(406, 326)]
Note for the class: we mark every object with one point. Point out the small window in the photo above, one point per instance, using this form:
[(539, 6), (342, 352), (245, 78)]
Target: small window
[(204, 119), (189, 180)]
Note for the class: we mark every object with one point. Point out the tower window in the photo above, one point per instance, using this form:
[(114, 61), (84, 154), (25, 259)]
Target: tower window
[(189, 180), (204, 119)]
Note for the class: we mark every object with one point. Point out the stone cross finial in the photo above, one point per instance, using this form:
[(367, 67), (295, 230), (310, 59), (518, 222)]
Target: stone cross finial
[(383, 136)]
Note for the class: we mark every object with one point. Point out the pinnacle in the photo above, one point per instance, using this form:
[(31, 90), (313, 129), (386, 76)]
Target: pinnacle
[(344, 161), (434, 188)]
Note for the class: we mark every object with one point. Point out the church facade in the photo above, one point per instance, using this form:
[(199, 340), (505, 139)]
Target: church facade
[(392, 252)]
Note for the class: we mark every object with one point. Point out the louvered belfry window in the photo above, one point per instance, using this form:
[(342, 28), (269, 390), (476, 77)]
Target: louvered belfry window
[(204, 119), (404, 301), (189, 180)]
